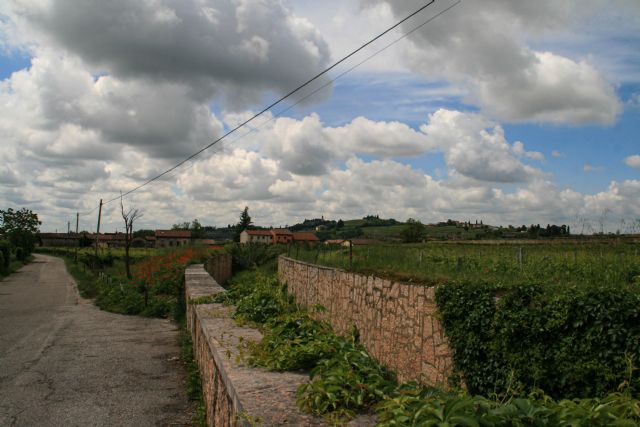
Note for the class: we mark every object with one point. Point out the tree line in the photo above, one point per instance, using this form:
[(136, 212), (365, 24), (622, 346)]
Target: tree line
[(18, 230)]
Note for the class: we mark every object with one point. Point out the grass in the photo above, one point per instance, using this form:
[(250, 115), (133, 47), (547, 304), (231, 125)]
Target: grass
[(431, 263), (383, 233), (193, 380), (85, 279)]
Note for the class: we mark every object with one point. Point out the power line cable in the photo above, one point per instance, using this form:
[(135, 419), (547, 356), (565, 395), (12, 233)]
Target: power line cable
[(368, 58), (264, 110), (342, 74)]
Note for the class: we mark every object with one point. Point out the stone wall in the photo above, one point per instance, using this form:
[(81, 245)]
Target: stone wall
[(235, 394), (397, 322), (222, 404), (220, 267)]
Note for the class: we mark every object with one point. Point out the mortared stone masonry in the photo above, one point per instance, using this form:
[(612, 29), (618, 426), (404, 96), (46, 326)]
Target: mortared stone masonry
[(397, 322)]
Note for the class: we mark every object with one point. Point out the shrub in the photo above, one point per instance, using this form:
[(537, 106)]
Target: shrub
[(347, 382), (249, 256), (5, 248), (268, 299), (20, 254), (292, 342)]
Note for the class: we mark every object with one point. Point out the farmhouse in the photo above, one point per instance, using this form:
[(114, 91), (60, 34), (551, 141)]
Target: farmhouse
[(172, 238), (256, 236), (305, 237), (276, 236), (281, 235), (58, 239)]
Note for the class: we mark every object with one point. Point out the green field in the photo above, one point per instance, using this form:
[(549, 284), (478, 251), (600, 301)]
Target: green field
[(542, 262)]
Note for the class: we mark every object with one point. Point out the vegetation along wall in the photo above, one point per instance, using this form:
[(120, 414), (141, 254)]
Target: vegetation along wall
[(221, 402), (397, 322)]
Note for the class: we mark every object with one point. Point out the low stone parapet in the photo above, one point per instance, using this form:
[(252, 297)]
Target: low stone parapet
[(234, 394)]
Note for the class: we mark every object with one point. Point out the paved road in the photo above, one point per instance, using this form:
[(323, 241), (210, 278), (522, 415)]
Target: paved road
[(63, 362)]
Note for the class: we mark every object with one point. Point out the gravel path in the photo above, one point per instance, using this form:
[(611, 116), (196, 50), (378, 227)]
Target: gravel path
[(63, 362)]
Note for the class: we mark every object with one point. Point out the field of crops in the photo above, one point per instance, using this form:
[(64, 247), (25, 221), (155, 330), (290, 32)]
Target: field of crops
[(544, 263)]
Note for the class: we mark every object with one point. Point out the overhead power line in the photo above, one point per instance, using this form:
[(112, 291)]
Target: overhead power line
[(342, 74), (280, 100)]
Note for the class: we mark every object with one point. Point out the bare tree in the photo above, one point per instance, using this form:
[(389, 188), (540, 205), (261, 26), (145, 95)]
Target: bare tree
[(602, 220), (129, 217)]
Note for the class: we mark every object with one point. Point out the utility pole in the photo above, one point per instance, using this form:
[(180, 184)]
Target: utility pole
[(68, 227), (98, 231), (77, 237)]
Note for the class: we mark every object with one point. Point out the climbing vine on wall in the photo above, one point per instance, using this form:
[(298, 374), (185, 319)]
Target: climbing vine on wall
[(568, 341)]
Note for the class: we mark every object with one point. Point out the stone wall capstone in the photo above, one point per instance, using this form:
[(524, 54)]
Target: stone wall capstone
[(397, 322)]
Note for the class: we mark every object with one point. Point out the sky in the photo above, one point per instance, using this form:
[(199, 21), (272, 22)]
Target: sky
[(510, 112)]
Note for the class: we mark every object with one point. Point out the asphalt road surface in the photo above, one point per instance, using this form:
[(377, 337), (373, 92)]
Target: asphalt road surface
[(63, 362)]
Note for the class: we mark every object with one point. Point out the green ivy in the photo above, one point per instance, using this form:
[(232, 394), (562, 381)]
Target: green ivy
[(569, 341)]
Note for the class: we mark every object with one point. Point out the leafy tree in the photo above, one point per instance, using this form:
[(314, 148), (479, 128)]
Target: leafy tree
[(144, 233), (414, 231), (245, 220), (84, 241), (197, 231), (350, 233), (5, 258), (20, 227)]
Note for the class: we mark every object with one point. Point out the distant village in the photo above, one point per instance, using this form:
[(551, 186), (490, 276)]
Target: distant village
[(331, 232)]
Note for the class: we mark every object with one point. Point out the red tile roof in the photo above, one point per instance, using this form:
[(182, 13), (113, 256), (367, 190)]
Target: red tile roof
[(305, 236), (173, 234), (59, 236), (106, 237), (282, 231)]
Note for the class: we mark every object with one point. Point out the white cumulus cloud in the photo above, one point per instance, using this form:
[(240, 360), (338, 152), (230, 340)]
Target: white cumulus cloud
[(632, 161), (479, 45)]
